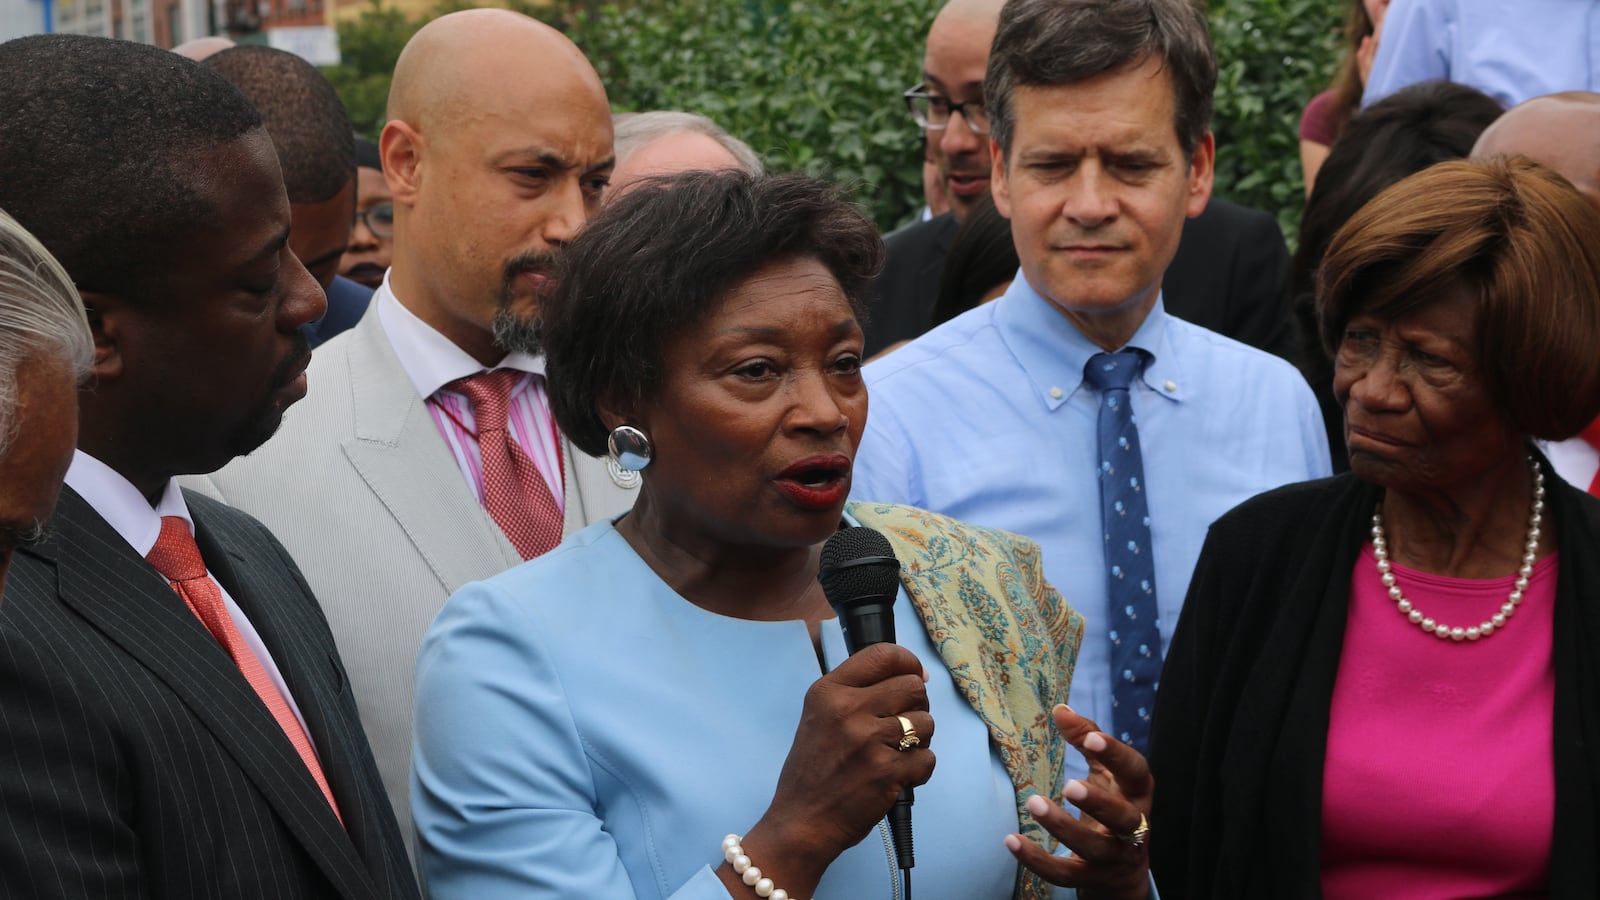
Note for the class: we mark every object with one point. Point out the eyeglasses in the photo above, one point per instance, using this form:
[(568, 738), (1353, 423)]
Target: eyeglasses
[(933, 111), (378, 219)]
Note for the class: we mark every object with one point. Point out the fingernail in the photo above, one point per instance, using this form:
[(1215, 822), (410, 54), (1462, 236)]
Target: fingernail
[(1075, 791), (1095, 742), (1014, 843), (924, 676), (1060, 706), (1037, 806)]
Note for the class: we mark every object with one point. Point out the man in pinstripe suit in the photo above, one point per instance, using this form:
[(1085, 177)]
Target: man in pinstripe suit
[(180, 727)]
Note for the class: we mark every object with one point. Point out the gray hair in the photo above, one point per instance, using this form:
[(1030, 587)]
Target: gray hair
[(1049, 43), (40, 313), (637, 130)]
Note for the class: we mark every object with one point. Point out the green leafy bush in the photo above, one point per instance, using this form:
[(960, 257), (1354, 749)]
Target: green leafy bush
[(1272, 57), (811, 84)]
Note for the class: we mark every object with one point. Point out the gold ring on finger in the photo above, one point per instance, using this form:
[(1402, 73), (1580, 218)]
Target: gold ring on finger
[(908, 735), (1139, 835)]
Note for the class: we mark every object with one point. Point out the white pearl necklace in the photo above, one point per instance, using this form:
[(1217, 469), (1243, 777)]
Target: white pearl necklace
[(1380, 549)]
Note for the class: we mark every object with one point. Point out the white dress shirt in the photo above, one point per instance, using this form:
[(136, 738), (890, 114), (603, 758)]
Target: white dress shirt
[(131, 516), (432, 361)]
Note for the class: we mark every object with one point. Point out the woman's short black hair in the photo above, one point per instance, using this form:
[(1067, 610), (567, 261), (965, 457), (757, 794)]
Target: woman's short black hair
[(660, 259)]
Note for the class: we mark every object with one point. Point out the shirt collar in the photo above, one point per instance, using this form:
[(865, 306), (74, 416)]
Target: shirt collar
[(1053, 352), (122, 506), (430, 359)]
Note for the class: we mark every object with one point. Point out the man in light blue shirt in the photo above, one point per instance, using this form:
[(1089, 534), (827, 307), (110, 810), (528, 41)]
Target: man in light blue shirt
[(1510, 51), (1102, 147)]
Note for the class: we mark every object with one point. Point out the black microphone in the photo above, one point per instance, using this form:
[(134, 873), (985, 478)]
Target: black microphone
[(861, 578)]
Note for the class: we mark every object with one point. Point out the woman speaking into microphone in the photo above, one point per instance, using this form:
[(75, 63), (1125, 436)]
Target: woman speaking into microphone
[(664, 705)]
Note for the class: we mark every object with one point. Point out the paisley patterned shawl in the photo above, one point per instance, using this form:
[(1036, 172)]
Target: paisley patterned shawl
[(1008, 638)]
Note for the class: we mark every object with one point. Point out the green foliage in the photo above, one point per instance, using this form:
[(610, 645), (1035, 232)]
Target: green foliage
[(369, 46), (811, 84), (815, 84), (1272, 57)]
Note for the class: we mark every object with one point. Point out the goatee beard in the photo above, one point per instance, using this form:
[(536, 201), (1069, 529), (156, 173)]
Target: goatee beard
[(512, 333), (516, 335)]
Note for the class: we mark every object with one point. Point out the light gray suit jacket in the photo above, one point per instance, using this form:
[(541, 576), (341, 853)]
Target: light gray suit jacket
[(363, 491)]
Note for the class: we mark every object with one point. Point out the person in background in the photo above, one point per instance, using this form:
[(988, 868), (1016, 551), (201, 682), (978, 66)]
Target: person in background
[(665, 142), (366, 260), (1561, 131), (1228, 273), (45, 354), (316, 148), (1074, 410), (1324, 117), (981, 265), (427, 449), (175, 716), (1510, 51), (1399, 135), (598, 722), (1387, 684)]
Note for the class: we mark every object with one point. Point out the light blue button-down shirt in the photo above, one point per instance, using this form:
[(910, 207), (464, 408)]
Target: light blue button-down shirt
[(1512, 51), (987, 419)]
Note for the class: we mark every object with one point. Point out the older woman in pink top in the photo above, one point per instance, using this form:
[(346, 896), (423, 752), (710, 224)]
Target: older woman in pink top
[(1387, 684)]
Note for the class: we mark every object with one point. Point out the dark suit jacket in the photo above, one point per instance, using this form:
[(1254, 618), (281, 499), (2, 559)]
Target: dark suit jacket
[(1241, 723), (137, 761), (1230, 275)]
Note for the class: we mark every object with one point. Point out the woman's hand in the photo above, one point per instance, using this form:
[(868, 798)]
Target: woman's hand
[(1110, 857), (844, 770)]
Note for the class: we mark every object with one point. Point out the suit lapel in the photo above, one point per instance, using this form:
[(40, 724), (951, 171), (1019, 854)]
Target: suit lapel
[(398, 452), (312, 675), (107, 583)]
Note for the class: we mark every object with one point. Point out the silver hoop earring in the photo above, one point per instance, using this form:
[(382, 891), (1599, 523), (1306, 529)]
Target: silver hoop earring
[(629, 451)]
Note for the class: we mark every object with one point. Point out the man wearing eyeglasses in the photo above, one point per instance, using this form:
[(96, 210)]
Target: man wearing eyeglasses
[(1230, 271), (948, 106)]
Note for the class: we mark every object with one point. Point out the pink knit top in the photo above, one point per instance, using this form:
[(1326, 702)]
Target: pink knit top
[(1439, 780)]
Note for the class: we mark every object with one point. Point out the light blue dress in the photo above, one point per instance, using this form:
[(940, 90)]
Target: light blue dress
[(582, 731)]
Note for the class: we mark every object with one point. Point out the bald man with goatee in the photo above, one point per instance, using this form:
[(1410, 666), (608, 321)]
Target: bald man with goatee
[(1562, 132), (498, 145)]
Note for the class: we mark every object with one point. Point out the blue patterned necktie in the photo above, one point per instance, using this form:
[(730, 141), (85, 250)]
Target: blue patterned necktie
[(1130, 566)]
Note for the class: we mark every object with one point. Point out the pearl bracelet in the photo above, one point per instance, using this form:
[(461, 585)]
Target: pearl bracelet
[(747, 871)]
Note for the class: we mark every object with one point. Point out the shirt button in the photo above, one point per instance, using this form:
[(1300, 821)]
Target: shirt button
[(1171, 386), (1055, 393)]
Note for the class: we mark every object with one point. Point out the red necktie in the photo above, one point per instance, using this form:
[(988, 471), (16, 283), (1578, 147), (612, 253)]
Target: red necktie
[(1592, 436), (514, 491), (177, 558)]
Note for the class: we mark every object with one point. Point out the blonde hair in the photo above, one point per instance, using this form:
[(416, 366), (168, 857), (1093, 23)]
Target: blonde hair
[(40, 313)]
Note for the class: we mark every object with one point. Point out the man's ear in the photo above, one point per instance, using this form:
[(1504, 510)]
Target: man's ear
[(108, 315), (1202, 166), (400, 149), (999, 189)]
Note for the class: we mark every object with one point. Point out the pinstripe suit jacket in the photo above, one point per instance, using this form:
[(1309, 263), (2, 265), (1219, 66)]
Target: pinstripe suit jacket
[(362, 490), (138, 762)]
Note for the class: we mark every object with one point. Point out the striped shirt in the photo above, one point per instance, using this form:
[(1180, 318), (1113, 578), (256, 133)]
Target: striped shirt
[(431, 361)]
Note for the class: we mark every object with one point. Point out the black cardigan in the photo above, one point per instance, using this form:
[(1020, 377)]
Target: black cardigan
[(1241, 720)]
